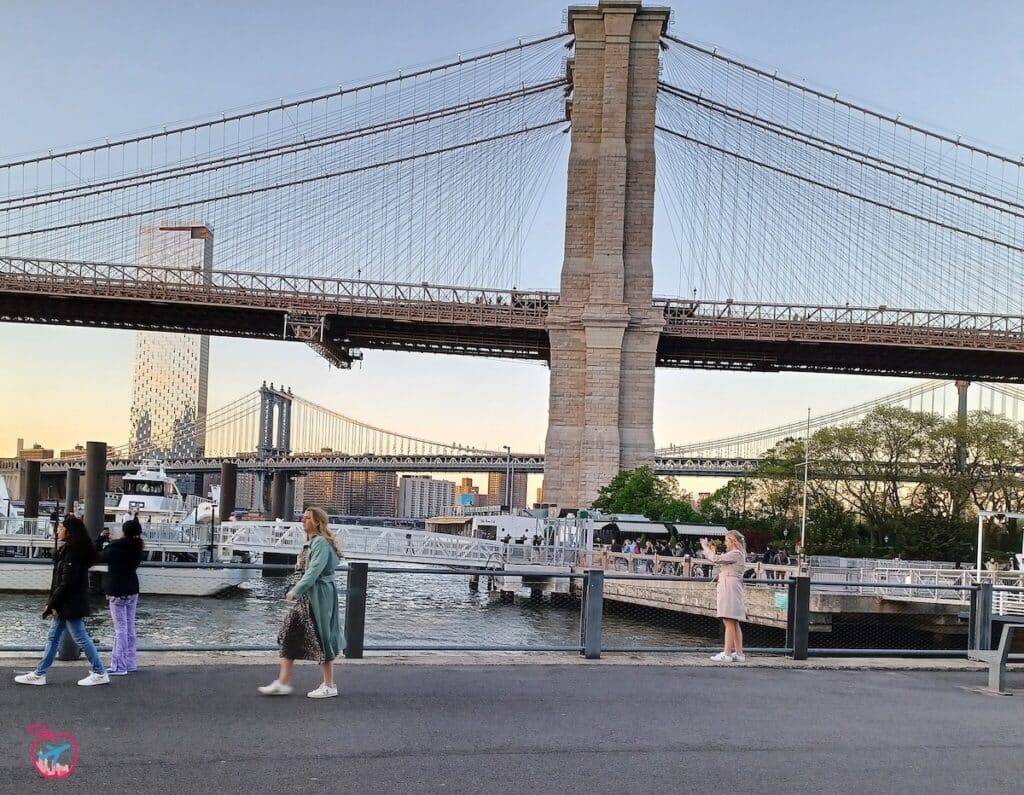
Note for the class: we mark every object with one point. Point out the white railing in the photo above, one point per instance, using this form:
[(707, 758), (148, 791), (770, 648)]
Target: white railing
[(22, 527), (393, 544), (192, 535), (1008, 603)]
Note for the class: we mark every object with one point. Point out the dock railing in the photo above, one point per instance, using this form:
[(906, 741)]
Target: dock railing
[(593, 612)]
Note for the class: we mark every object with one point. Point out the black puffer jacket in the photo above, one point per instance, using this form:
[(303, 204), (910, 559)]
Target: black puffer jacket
[(122, 558), (69, 586)]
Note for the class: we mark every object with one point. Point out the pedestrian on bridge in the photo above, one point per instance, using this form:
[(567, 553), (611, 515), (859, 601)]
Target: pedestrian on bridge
[(312, 626), (732, 599)]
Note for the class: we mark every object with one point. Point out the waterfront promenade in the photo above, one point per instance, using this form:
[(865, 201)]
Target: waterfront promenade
[(540, 725)]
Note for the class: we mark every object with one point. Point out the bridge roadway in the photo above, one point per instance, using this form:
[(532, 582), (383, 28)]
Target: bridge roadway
[(337, 317), (689, 466), (330, 462)]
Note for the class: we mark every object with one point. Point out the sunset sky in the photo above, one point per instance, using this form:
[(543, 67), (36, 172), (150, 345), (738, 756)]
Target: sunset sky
[(80, 72)]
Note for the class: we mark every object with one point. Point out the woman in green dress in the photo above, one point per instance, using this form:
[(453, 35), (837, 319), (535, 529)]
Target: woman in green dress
[(312, 627)]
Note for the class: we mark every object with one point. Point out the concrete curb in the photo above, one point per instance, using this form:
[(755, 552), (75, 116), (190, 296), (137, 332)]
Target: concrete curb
[(161, 659)]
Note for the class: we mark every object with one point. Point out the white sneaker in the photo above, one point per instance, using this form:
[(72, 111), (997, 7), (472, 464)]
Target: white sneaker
[(721, 657), (739, 657), (31, 678), (275, 688), (323, 692), (94, 679)]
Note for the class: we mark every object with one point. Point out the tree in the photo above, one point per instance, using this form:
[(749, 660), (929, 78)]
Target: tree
[(640, 491)]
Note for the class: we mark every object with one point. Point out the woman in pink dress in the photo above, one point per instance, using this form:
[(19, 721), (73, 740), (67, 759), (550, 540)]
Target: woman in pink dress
[(732, 600)]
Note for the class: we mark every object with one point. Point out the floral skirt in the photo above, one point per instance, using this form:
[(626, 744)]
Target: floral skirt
[(298, 639)]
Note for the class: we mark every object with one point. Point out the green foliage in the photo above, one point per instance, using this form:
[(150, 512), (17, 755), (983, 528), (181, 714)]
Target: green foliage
[(895, 482), (923, 537), (640, 491)]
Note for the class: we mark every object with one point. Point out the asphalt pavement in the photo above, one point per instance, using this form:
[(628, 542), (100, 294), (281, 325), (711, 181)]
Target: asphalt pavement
[(538, 728)]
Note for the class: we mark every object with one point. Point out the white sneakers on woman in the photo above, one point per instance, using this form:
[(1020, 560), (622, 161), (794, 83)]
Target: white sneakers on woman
[(723, 657), (40, 679), (94, 679), (275, 688)]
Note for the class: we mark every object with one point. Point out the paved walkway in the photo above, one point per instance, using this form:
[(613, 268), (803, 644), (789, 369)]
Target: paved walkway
[(538, 728)]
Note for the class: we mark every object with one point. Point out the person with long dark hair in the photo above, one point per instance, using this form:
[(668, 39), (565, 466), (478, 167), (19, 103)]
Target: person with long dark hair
[(312, 628), (121, 585), (68, 603)]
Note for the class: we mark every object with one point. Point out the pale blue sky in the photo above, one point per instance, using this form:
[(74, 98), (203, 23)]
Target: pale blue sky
[(74, 72)]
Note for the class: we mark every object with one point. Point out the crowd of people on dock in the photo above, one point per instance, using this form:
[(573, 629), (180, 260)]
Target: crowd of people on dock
[(676, 551)]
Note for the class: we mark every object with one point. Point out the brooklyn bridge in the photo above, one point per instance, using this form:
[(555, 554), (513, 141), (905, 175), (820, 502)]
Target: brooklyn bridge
[(810, 233)]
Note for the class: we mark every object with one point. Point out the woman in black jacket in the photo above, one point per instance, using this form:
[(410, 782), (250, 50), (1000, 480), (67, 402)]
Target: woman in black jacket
[(68, 602), (121, 585)]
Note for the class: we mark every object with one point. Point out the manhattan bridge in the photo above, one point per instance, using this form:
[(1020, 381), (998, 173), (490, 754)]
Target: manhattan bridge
[(796, 231)]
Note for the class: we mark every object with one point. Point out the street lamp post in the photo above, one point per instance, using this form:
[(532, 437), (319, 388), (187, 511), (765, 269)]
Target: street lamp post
[(508, 476), (807, 463)]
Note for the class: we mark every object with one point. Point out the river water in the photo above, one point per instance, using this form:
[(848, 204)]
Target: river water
[(415, 610)]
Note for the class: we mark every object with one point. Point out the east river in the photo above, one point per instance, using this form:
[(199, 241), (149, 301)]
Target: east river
[(402, 609)]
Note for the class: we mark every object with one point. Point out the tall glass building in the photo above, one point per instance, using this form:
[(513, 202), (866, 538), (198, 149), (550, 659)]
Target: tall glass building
[(170, 376)]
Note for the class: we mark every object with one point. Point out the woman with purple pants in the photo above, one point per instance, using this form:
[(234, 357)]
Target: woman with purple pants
[(121, 585)]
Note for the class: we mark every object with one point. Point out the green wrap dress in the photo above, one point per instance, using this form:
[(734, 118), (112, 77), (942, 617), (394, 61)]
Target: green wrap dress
[(312, 626)]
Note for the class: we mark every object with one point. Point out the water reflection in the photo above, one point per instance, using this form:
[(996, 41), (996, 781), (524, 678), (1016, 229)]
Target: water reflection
[(402, 609)]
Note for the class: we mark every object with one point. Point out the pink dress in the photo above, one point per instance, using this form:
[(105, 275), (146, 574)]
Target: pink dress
[(732, 599)]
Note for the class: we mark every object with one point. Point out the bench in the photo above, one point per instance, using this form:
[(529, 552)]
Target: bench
[(996, 659)]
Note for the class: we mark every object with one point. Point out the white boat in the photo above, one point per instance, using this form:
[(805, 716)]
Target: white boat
[(174, 530), (151, 495)]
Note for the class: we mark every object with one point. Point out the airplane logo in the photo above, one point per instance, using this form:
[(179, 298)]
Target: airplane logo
[(53, 755)]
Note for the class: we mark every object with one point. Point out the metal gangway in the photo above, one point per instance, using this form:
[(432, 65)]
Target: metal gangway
[(392, 545), (944, 585)]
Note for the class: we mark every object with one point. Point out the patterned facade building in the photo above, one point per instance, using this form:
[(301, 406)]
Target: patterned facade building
[(170, 376), (352, 493)]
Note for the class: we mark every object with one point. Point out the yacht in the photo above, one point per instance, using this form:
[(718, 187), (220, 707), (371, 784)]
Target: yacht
[(175, 530)]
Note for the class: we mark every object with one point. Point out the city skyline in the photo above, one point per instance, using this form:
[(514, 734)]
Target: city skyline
[(895, 58)]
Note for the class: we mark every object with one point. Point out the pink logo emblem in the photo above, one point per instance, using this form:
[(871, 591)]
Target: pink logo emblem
[(52, 755)]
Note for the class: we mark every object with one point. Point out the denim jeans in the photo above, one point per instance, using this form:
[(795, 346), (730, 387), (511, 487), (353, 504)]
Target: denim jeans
[(76, 626), (122, 610)]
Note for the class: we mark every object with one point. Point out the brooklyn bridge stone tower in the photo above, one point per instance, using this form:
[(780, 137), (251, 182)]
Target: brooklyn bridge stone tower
[(604, 331)]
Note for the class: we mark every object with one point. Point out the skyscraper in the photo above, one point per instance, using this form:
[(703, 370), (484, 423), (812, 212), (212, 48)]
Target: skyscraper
[(497, 489), (169, 379), (420, 497)]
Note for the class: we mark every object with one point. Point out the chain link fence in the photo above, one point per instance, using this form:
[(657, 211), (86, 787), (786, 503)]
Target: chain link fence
[(621, 607)]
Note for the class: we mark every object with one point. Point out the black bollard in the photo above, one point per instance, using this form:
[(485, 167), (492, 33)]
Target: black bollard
[(68, 650), (71, 490), (228, 490), (31, 489), (95, 486), (355, 611)]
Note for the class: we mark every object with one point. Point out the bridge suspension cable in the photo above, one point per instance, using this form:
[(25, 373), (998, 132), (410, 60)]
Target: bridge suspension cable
[(429, 175), (936, 397), (776, 191)]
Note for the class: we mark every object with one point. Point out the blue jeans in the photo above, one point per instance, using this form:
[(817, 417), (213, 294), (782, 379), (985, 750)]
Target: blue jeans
[(76, 626)]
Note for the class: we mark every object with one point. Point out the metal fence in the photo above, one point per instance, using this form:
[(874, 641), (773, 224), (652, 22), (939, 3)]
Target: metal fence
[(530, 609)]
